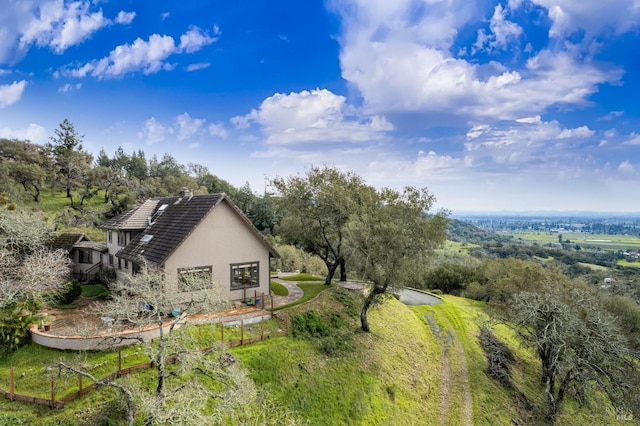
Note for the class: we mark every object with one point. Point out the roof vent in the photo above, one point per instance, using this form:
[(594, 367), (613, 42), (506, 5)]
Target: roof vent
[(186, 192)]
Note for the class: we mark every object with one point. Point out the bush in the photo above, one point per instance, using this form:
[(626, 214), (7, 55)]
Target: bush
[(15, 320), (499, 356), (70, 294), (309, 324)]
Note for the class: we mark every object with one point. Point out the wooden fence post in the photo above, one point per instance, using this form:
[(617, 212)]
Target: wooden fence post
[(241, 332), (12, 385), (53, 391), (79, 384), (222, 332), (119, 361), (262, 328)]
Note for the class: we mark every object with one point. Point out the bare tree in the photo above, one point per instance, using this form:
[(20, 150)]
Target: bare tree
[(185, 374), (578, 344)]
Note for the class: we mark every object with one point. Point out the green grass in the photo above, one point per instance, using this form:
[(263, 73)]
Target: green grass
[(310, 291), (302, 277), (278, 289), (604, 241), (94, 291), (627, 264), (392, 375)]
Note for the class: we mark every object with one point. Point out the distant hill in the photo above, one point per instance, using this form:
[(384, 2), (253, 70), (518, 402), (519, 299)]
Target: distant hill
[(463, 232)]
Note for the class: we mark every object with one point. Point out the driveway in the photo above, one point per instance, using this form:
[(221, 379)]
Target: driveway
[(408, 296)]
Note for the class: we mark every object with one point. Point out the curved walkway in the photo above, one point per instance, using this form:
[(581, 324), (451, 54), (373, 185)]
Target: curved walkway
[(295, 293)]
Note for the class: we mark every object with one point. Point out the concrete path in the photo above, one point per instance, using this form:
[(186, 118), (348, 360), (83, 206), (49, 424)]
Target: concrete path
[(295, 293), (408, 296)]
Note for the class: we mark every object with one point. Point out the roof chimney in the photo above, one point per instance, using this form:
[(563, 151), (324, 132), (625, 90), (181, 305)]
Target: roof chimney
[(185, 192)]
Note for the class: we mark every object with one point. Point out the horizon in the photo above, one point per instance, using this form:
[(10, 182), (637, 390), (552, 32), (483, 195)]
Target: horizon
[(514, 105)]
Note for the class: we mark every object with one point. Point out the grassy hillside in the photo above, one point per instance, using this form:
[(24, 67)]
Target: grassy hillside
[(419, 366)]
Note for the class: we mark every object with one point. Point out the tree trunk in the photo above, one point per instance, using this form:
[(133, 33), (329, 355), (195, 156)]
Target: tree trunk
[(343, 270), (160, 361), (36, 196), (331, 268), (375, 291), (69, 188)]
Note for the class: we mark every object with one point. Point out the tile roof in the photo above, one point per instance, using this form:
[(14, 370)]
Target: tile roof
[(173, 225), (93, 245)]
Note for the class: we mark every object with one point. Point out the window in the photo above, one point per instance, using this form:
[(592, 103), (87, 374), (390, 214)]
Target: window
[(110, 236), (135, 268), (244, 275), (121, 239), (110, 260), (126, 264), (85, 256), (119, 263), (195, 278)]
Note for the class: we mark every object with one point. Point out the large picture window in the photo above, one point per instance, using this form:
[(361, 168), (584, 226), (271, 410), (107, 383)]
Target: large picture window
[(195, 278), (244, 275)]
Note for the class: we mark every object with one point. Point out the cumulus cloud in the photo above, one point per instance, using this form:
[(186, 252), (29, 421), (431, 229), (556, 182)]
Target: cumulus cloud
[(56, 24), (218, 130), (591, 16), (69, 87), (399, 58), (611, 115), (312, 116), (153, 131), (195, 39), (634, 139), (11, 93), (502, 32), (146, 56), (125, 18), (33, 132), (528, 143), (626, 167), (188, 126)]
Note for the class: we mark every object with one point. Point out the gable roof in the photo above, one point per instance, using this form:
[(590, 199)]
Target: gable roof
[(138, 216), (66, 240), (173, 225)]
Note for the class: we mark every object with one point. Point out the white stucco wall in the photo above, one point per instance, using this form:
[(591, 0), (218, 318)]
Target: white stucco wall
[(222, 238)]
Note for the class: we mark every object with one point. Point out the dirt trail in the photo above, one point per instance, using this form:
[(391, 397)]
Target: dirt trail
[(454, 375)]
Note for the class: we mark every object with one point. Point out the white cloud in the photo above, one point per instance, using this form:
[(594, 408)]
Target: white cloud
[(164, 16), (11, 93), (399, 59), (69, 87), (125, 18), (312, 116), (218, 130), (195, 39), (188, 126), (611, 115), (634, 139), (525, 144), (148, 57), (198, 66), (61, 25), (626, 167), (503, 31), (153, 131), (33, 132), (592, 16)]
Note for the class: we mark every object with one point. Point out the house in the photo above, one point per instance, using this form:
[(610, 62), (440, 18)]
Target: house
[(203, 234), (86, 255)]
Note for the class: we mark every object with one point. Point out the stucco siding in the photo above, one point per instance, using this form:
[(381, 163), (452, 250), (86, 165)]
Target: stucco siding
[(222, 239)]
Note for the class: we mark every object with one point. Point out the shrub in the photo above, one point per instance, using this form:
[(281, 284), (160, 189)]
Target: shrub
[(15, 320), (309, 324), (70, 294), (499, 356)]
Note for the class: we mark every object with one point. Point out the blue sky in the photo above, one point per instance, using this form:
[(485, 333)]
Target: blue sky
[(511, 105)]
